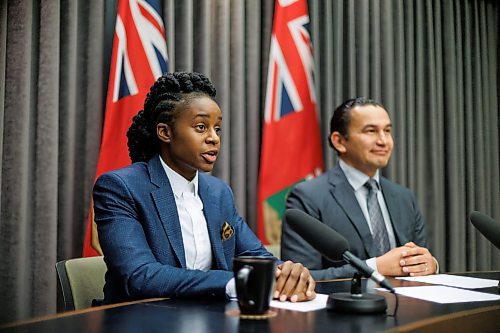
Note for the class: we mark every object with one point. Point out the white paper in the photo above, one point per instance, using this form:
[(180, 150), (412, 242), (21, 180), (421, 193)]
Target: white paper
[(316, 304), (453, 281), (443, 294)]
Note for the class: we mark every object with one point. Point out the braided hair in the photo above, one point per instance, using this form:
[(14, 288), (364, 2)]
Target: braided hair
[(166, 98)]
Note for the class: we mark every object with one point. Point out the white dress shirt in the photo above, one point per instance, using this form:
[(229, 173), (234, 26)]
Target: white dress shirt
[(357, 179), (196, 241)]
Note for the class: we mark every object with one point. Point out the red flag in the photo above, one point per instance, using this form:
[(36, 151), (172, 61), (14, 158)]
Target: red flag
[(139, 57), (291, 145)]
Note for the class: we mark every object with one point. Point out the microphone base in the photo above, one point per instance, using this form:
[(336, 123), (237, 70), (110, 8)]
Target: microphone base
[(356, 303)]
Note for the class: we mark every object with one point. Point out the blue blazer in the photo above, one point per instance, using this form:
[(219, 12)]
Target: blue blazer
[(331, 199), (140, 235)]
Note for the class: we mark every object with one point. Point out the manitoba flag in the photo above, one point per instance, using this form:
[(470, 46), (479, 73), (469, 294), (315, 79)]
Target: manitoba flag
[(291, 147), (139, 57)]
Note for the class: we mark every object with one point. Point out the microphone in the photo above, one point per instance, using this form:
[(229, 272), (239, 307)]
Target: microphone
[(488, 227), (335, 247), (330, 243)]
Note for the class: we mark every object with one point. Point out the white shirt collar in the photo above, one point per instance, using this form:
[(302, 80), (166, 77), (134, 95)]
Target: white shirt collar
[(178, 183), (355, 177)]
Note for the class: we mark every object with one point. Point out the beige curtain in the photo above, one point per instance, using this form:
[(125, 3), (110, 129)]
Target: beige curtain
[(434, 64)]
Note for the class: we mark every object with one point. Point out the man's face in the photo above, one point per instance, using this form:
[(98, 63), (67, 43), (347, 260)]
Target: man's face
[(369, 143)]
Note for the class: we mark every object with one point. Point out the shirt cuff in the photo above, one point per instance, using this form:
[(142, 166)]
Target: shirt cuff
[(231, 289), (437, 265), (372, 263)]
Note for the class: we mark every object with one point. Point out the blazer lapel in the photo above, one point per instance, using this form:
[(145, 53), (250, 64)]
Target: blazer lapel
[(164, 200), (211, 211), (344, 195), (393, 206)]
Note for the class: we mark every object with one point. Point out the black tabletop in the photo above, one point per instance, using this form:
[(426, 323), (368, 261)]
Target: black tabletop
[(192, 316)]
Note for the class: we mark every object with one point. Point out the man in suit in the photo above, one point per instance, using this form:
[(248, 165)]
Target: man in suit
[(380, 219)]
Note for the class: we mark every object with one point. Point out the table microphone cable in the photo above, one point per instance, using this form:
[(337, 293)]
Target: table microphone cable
[(396, 305)]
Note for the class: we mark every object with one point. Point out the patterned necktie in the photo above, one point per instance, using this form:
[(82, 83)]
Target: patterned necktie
[(380, 236)]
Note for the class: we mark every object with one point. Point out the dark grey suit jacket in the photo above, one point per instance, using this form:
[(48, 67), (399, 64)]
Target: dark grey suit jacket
[(331, 199)]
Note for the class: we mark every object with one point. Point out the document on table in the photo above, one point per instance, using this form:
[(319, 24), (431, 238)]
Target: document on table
[(316, 304), (443, 294), (453, 281)]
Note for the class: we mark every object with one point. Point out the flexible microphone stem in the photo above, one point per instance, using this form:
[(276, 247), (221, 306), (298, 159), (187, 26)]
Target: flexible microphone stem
[(366, 270)]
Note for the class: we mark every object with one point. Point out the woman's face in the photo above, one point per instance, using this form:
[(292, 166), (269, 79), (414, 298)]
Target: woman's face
[(193, 142)]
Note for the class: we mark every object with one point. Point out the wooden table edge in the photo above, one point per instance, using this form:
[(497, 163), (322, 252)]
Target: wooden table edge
[(77, 312)]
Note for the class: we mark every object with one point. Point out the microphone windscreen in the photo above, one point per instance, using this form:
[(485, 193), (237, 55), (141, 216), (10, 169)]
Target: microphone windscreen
[(323, 238), (487, 226)]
